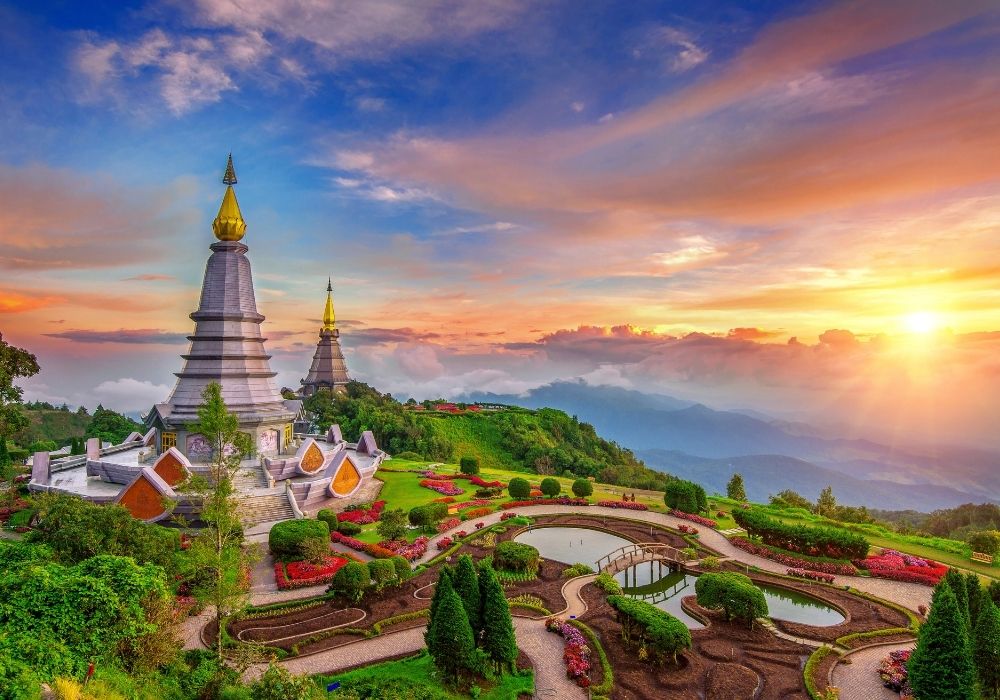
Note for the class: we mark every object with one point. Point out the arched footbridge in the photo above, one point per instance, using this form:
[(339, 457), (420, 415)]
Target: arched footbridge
[(628, 556)]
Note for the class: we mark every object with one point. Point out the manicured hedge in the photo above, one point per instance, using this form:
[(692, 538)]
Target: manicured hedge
[(734, 593), (286, 538), (651, 627), (685, 496), (515, 556), (812, 541)]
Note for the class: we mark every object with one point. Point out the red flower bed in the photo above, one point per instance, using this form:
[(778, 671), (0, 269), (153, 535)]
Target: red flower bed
[(362, 515), (375, 550), (444, 499), (687, 529), (298, 574), (560, 501), (448, 524), (507, 516), (707, 522), (476, 513), (475, 503), (408, 550), (831, 567), (811, 575), (443, 543), (445, 487), (627, 505), (576, 652), (897, 566)]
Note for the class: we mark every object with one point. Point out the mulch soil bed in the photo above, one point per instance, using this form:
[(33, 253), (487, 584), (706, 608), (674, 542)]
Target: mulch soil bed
[(727, 661), (898, 638)]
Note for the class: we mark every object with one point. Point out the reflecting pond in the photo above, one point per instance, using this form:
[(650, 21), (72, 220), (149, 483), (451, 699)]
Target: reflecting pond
[(656, 584)]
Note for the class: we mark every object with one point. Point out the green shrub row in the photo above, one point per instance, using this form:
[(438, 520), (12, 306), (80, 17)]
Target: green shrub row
[(685, 496), (831, 542), (379, 626), (653, 628), (888, 632), (515, 556), (733, 593), (807, 673)]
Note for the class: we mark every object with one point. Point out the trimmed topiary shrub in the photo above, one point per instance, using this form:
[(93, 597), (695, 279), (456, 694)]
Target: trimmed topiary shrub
[(519, 488), (582, 488), (685, 496), (403, 570), (328, 517), (469, 465), (427, 516), (657, 632), (515, 556), (286, 538), (382, 573), (348, 528), (733, 593), (550, 487), (351, 581)]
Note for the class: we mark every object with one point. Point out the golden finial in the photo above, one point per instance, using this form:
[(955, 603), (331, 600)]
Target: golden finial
[(328, 317), (229, 224)]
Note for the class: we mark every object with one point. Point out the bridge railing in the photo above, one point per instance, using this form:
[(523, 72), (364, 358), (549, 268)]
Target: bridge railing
[(644, 551)]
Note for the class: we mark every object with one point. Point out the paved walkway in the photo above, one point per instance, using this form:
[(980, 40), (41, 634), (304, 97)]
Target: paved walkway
[(190, 631), (542, 647), (859, 680), (575, 607), (911, 595)]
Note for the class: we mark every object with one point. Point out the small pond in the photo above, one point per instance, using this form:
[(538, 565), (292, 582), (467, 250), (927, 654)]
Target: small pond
[(656, 584)]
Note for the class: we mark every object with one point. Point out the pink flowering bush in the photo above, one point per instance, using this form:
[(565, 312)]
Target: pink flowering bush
[(687, 529), (507, 516), (707, 522), (447, 524), (811, 575), (559, 501), (576, 653), (627, 505), (443, 543), (826, 567), (897, 566), (362, 515), (480, 526), (893, 672), (298, 574), (444, 487), (475, 503), (408, 550), (375, 550)]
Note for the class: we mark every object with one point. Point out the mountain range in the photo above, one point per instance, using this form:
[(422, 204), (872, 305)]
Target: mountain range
[(694, 441)]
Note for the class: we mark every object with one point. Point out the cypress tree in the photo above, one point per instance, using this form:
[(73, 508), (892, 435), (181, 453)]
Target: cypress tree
[(499, 642), (941, 665), (4, 454), (995, 592), (443, 586), (956, 581), (986, 648), (974, 594), (466, 584), (452, 645)]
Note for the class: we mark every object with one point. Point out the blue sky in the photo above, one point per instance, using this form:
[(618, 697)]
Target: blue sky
[(508, 193)]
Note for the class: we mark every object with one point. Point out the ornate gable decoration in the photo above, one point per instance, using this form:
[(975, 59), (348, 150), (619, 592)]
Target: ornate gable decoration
[(347, 478), (172, 466), (310, 457), (145, 497), (333, 435), (366, 445)]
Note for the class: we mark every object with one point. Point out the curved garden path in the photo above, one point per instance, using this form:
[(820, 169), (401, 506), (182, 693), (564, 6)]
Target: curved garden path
[(859, 679), (911, 595)]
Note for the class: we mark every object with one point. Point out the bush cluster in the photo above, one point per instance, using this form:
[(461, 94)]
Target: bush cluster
[(428, 515), (812, 541), (685, 496), (733, 593), (516, 556), (287, 539), (657, 631)]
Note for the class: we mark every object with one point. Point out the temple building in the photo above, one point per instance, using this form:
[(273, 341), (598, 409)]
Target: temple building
[(328, 370), (288, 474)]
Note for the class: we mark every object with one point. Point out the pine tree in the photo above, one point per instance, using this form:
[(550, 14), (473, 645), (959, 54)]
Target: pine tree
[(956, 581), (466, 584), (443, 586), (941, 665), (452, 645), (499, 642), (974, 594), (735, 489), (986, 648)]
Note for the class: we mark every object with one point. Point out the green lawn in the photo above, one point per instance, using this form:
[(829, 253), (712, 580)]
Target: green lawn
[(417, 674)]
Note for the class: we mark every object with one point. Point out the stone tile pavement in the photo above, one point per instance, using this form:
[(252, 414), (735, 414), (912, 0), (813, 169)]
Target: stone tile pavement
[(859, 680)]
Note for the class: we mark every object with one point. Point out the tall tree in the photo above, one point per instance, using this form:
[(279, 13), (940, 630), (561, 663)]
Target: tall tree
[(452, 645), (826, 504), (986, 647), (219, 547), (735, 489), (467, 586), (392, 524), (974, 594), (442, 587), (941, 665), (956, 581), (15, 363), (110, 426), (499, 642)]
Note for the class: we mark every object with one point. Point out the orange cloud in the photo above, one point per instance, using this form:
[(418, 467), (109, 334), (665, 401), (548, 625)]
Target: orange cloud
[(14, 302)]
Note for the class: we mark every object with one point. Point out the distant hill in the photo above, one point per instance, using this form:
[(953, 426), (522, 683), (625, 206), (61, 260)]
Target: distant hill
[(645, 422), (765, 475), (56, 425)]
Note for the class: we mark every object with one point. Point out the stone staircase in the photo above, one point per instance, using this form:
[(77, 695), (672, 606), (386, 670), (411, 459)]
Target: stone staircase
[(266, 508), (249, 478)]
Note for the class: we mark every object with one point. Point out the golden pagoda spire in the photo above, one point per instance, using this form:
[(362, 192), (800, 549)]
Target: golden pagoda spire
[(329, 320), (229, 224)]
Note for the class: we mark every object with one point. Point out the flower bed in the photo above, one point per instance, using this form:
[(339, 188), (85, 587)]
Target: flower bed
[(897, 566), (444, 499), (811, 575), (627, 505), (893, 672), (707, 522), (362, 515), (560, 501), (475, 503), (687, 529), (826, 567), (576, 652), (448, 524), (444, 487), (298, 574), (443, 543), (408, 550), (476, 513), (507, 516), (376, 550)]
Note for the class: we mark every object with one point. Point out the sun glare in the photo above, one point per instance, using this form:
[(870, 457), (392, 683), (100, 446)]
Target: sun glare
[(922, 322)]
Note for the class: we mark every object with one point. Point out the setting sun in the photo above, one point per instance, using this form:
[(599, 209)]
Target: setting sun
[(922, 322)]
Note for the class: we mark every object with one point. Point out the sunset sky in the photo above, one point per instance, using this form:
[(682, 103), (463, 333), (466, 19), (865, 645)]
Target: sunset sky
[(791, 207)]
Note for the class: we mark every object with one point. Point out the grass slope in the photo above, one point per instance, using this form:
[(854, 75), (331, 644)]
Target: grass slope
[(56, 425), (477, 435)]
